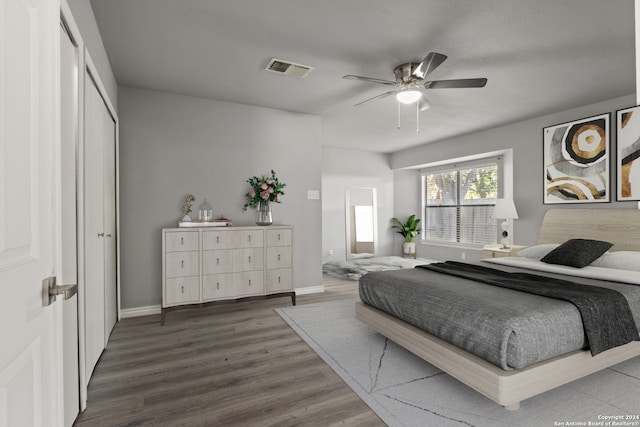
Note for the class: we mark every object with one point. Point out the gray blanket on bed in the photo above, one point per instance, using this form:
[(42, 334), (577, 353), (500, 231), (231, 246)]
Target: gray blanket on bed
[(508, 328), (606, 314)]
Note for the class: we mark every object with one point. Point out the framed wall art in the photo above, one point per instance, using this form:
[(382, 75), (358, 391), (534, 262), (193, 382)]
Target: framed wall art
[(576, 161), (628, 165)]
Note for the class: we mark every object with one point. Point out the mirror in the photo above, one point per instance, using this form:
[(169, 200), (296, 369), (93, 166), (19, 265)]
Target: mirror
[(361, 222)]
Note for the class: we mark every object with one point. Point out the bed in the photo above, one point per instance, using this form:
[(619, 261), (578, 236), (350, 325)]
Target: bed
[(509, 386)]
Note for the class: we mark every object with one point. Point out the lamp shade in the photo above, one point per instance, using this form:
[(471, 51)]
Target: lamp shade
[(505, 209), (408, 96)]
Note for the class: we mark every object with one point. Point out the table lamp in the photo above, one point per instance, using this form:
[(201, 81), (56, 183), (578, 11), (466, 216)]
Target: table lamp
[(505, 209)]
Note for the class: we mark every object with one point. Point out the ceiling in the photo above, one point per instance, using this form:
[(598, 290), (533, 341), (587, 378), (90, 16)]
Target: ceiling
[(539, 56)]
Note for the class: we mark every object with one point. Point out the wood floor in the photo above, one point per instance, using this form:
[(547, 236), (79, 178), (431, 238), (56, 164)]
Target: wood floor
[(230, 365)]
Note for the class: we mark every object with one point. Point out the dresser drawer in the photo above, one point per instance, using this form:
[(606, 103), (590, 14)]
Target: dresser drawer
[(181, 264), (249, 283), (252, 238), (279, 257), (219, 239), (279, 237), (220, 261), (181, 290), (249, 259), (217, 286), (181, 241), (279, 280)]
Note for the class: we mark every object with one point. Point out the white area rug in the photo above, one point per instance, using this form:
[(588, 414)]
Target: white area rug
[(356, 268), (404, 390)]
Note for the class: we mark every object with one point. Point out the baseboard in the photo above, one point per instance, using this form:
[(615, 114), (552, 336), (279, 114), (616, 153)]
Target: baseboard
[(155, 309), (310, 290), (139, 311)]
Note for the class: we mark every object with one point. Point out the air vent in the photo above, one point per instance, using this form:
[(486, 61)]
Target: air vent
[(287, 67)]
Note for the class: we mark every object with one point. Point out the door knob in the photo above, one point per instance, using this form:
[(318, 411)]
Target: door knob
[(50, 290)]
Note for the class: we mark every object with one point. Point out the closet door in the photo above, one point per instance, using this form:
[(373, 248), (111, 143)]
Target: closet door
[(94, 227), (109, 209), (100, 225)]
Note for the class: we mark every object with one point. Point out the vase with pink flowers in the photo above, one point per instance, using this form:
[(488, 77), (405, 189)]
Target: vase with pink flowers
[(264, 190)]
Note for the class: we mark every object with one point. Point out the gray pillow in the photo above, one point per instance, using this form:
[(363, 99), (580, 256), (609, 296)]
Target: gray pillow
[(577, 252)]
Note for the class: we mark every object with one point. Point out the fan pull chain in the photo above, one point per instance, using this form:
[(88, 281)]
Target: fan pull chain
[(417, 116)]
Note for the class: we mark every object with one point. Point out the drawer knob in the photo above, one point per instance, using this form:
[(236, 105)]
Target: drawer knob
[(218, 285), (182, 289), (182, 263), (249, 258), (217, 261), (278, 236), (217, 239), (278, 257), (249, 282), (249, 237), (278, 279)]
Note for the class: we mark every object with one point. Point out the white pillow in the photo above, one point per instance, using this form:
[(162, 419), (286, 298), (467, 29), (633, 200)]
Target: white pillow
[(538, 251), (622, 260)]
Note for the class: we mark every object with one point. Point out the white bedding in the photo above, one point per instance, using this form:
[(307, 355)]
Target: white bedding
[(624, 276)]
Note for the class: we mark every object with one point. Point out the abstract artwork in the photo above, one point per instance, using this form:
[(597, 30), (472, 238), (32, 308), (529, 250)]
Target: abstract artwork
[(576, 161), (628, 131)]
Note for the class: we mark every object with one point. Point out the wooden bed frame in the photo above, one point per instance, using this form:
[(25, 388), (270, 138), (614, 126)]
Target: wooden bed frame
[(509, 388)]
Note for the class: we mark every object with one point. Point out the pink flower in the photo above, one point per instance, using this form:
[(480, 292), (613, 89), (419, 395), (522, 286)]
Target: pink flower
[(265, 188)]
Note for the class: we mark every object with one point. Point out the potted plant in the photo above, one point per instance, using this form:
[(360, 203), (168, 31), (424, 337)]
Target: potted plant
[(409, 230), (186, 207), (264, 190)]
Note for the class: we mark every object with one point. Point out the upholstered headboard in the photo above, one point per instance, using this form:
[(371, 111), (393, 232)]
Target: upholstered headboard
[(618, 226)]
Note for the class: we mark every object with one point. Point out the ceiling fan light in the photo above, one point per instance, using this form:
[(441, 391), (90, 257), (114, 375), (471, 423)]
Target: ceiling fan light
[(408, 96), (425, 104)]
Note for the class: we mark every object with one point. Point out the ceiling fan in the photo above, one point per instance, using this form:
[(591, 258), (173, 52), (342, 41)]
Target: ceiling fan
[(411, 82)]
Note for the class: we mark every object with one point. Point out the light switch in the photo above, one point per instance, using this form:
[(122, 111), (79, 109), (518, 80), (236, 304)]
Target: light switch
[(313, 194)]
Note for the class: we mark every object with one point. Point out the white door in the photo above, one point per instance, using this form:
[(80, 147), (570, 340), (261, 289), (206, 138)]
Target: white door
[(30, 360), (109, 185), (67, 257), (100, 224), (94, 227)]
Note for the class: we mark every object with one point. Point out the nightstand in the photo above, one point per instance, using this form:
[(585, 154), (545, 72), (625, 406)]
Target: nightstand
[(497, 251)]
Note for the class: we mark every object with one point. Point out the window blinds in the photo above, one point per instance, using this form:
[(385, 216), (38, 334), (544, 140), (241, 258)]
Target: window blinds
[(458, 204)]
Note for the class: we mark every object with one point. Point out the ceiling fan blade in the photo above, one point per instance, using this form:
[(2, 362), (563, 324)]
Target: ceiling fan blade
[(428, 64), (383, 95), (369, 79), (456, 83)]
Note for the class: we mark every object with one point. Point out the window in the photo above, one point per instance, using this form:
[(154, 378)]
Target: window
[(458, 203)]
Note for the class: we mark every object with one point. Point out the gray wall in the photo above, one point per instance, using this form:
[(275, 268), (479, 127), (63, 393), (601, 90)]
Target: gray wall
[(172, 145), (342, 169), (526, 140)]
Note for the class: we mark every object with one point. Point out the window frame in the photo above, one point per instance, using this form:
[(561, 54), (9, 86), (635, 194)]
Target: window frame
[(457, 166)]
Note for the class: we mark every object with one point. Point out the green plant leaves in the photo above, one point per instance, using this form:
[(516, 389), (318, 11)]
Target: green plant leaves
[(409, 229)]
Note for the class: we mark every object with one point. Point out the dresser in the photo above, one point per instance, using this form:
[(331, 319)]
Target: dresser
[(214, 265)]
